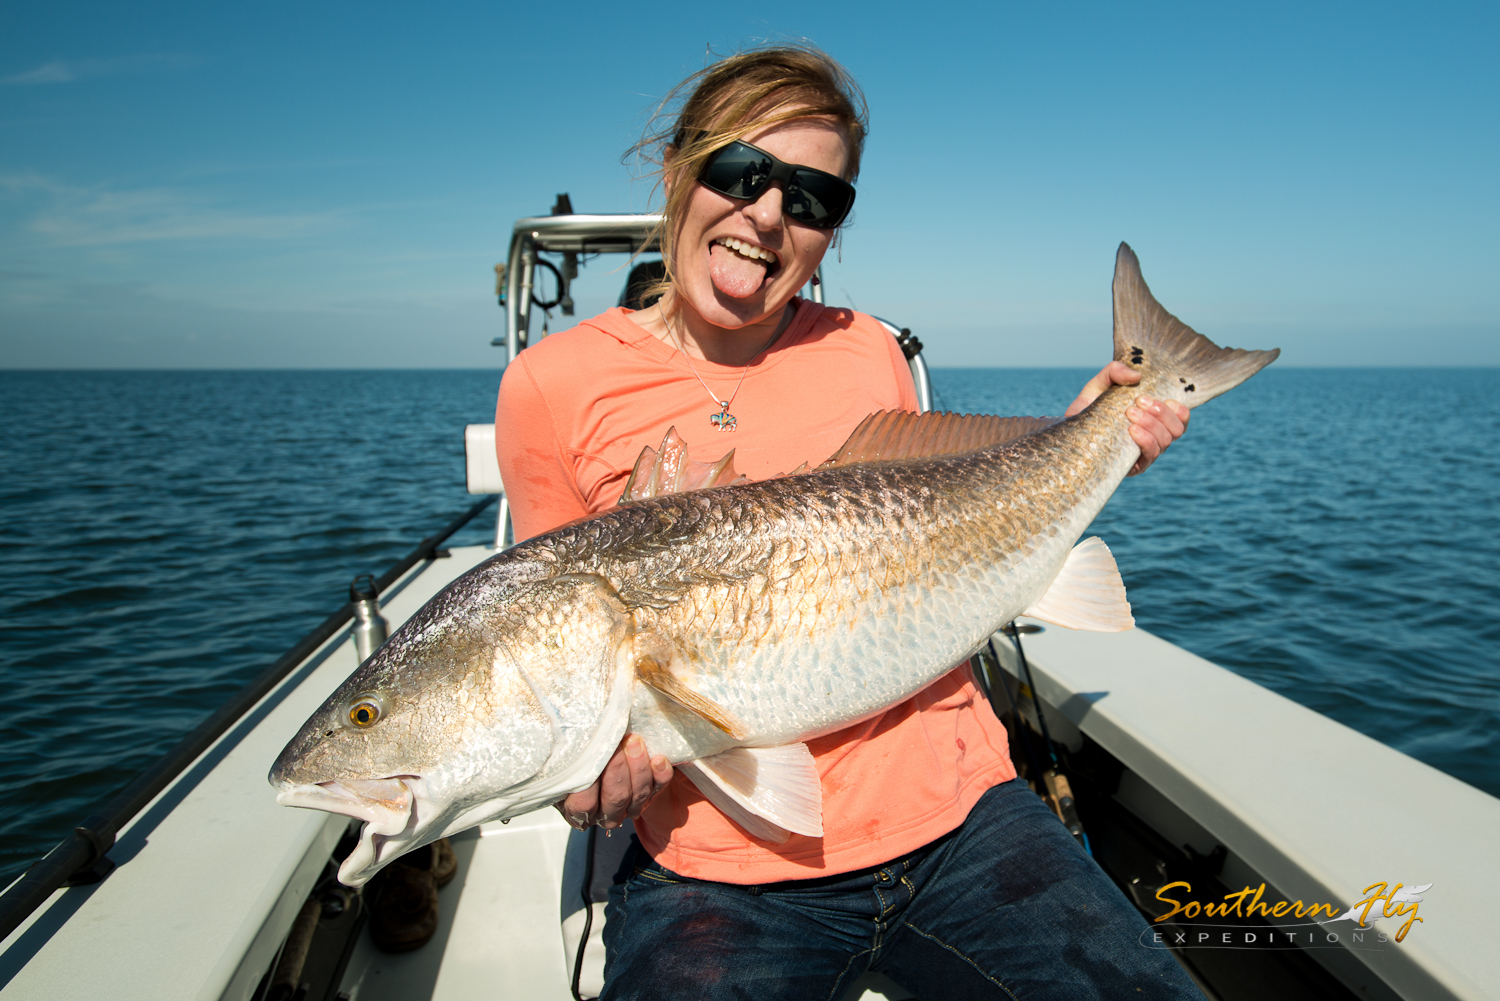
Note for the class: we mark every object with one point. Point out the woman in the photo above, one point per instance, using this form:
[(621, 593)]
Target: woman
[(937, 865)]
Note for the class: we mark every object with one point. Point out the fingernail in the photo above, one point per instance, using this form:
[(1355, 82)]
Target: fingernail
[(1147, 401), (635, 746), (660, 763), (1133, 413)]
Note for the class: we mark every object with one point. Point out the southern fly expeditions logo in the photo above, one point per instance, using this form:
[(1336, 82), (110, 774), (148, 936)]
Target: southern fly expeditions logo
[(1253, 922)]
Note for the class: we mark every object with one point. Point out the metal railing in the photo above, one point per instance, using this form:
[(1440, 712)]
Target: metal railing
[(575, 233)]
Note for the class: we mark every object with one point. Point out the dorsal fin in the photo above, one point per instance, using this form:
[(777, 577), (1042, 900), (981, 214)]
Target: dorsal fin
[(898, 434), (670, 470)]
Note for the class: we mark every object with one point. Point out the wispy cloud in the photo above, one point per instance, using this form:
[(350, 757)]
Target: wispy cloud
[(72, 216), (71, 70)]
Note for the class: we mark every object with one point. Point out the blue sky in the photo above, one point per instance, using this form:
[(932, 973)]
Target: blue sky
[(286, 185)]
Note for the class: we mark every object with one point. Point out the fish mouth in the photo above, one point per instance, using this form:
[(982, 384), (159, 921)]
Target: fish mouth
[(396, 811)]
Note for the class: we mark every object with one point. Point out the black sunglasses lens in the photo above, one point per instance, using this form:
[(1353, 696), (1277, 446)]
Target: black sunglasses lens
[(737, 171), (817, 199), (812, 197)]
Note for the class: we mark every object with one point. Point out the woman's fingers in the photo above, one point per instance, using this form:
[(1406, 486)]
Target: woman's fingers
[(648, 775), (578, 808), (629, 781), (642, 785), (616, 787), (1155, 424), (661, 771), (1116, 373)]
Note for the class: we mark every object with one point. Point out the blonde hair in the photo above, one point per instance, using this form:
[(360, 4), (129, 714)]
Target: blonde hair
[(734, 97)]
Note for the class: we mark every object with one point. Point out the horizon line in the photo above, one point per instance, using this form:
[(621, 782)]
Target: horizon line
[(501, 368)]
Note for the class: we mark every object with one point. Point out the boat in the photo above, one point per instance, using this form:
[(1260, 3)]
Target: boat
[(1182, 778)]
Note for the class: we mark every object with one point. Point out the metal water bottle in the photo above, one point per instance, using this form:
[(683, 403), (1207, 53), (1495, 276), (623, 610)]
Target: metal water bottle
[(369, 625)]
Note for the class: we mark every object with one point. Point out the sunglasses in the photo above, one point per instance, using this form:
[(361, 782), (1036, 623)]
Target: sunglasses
[(813, 197)]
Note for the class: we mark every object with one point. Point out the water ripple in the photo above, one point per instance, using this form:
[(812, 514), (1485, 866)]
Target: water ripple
[(165, 536)]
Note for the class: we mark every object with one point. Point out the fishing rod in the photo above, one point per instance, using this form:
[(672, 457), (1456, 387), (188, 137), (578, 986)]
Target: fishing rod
[(81, 858), (1023, 732), (1058, 790)]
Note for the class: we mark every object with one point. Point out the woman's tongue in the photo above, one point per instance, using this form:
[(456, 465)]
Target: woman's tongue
[(734, 274)]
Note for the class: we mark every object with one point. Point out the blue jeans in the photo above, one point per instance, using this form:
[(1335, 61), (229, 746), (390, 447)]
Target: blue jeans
[(1007, 906)]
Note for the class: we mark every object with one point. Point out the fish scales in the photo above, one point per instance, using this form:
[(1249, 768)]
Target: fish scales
[(966, 562), (757, 615)]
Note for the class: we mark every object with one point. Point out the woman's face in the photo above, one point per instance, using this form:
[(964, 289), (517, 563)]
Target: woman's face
[(738, 262)]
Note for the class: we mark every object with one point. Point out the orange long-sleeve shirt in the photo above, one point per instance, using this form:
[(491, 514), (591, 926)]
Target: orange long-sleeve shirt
[(575, 411)]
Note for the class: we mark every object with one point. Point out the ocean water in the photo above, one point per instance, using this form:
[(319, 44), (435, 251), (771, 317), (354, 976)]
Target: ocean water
[(1331, 534)]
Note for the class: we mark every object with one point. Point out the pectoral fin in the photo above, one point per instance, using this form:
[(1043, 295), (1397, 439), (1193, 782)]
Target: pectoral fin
[(1087, 593), (772, 792), (653, 672)]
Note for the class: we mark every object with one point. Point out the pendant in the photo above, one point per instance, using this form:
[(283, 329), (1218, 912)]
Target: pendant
[(724, 420)]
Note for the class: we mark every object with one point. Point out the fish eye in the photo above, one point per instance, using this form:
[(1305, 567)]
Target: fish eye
[(365, 710)]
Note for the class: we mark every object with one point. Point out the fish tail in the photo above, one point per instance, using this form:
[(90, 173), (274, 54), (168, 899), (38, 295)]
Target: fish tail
[(1174, 360)]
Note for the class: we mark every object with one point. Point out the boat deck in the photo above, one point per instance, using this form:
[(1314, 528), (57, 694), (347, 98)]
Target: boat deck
[(1313, 808)]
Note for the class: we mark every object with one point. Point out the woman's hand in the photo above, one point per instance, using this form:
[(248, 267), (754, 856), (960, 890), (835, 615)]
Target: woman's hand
[(1154, 424), (622, 790)]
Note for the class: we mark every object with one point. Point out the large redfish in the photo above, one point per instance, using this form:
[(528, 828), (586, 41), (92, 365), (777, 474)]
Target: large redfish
[(730, 624)]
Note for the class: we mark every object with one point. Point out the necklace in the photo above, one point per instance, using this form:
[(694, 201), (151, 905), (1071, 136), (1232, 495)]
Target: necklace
[(724, 420)]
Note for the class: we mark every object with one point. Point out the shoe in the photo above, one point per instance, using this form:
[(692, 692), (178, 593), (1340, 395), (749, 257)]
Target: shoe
[(403, 895), (444, 862), (404, 904)]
